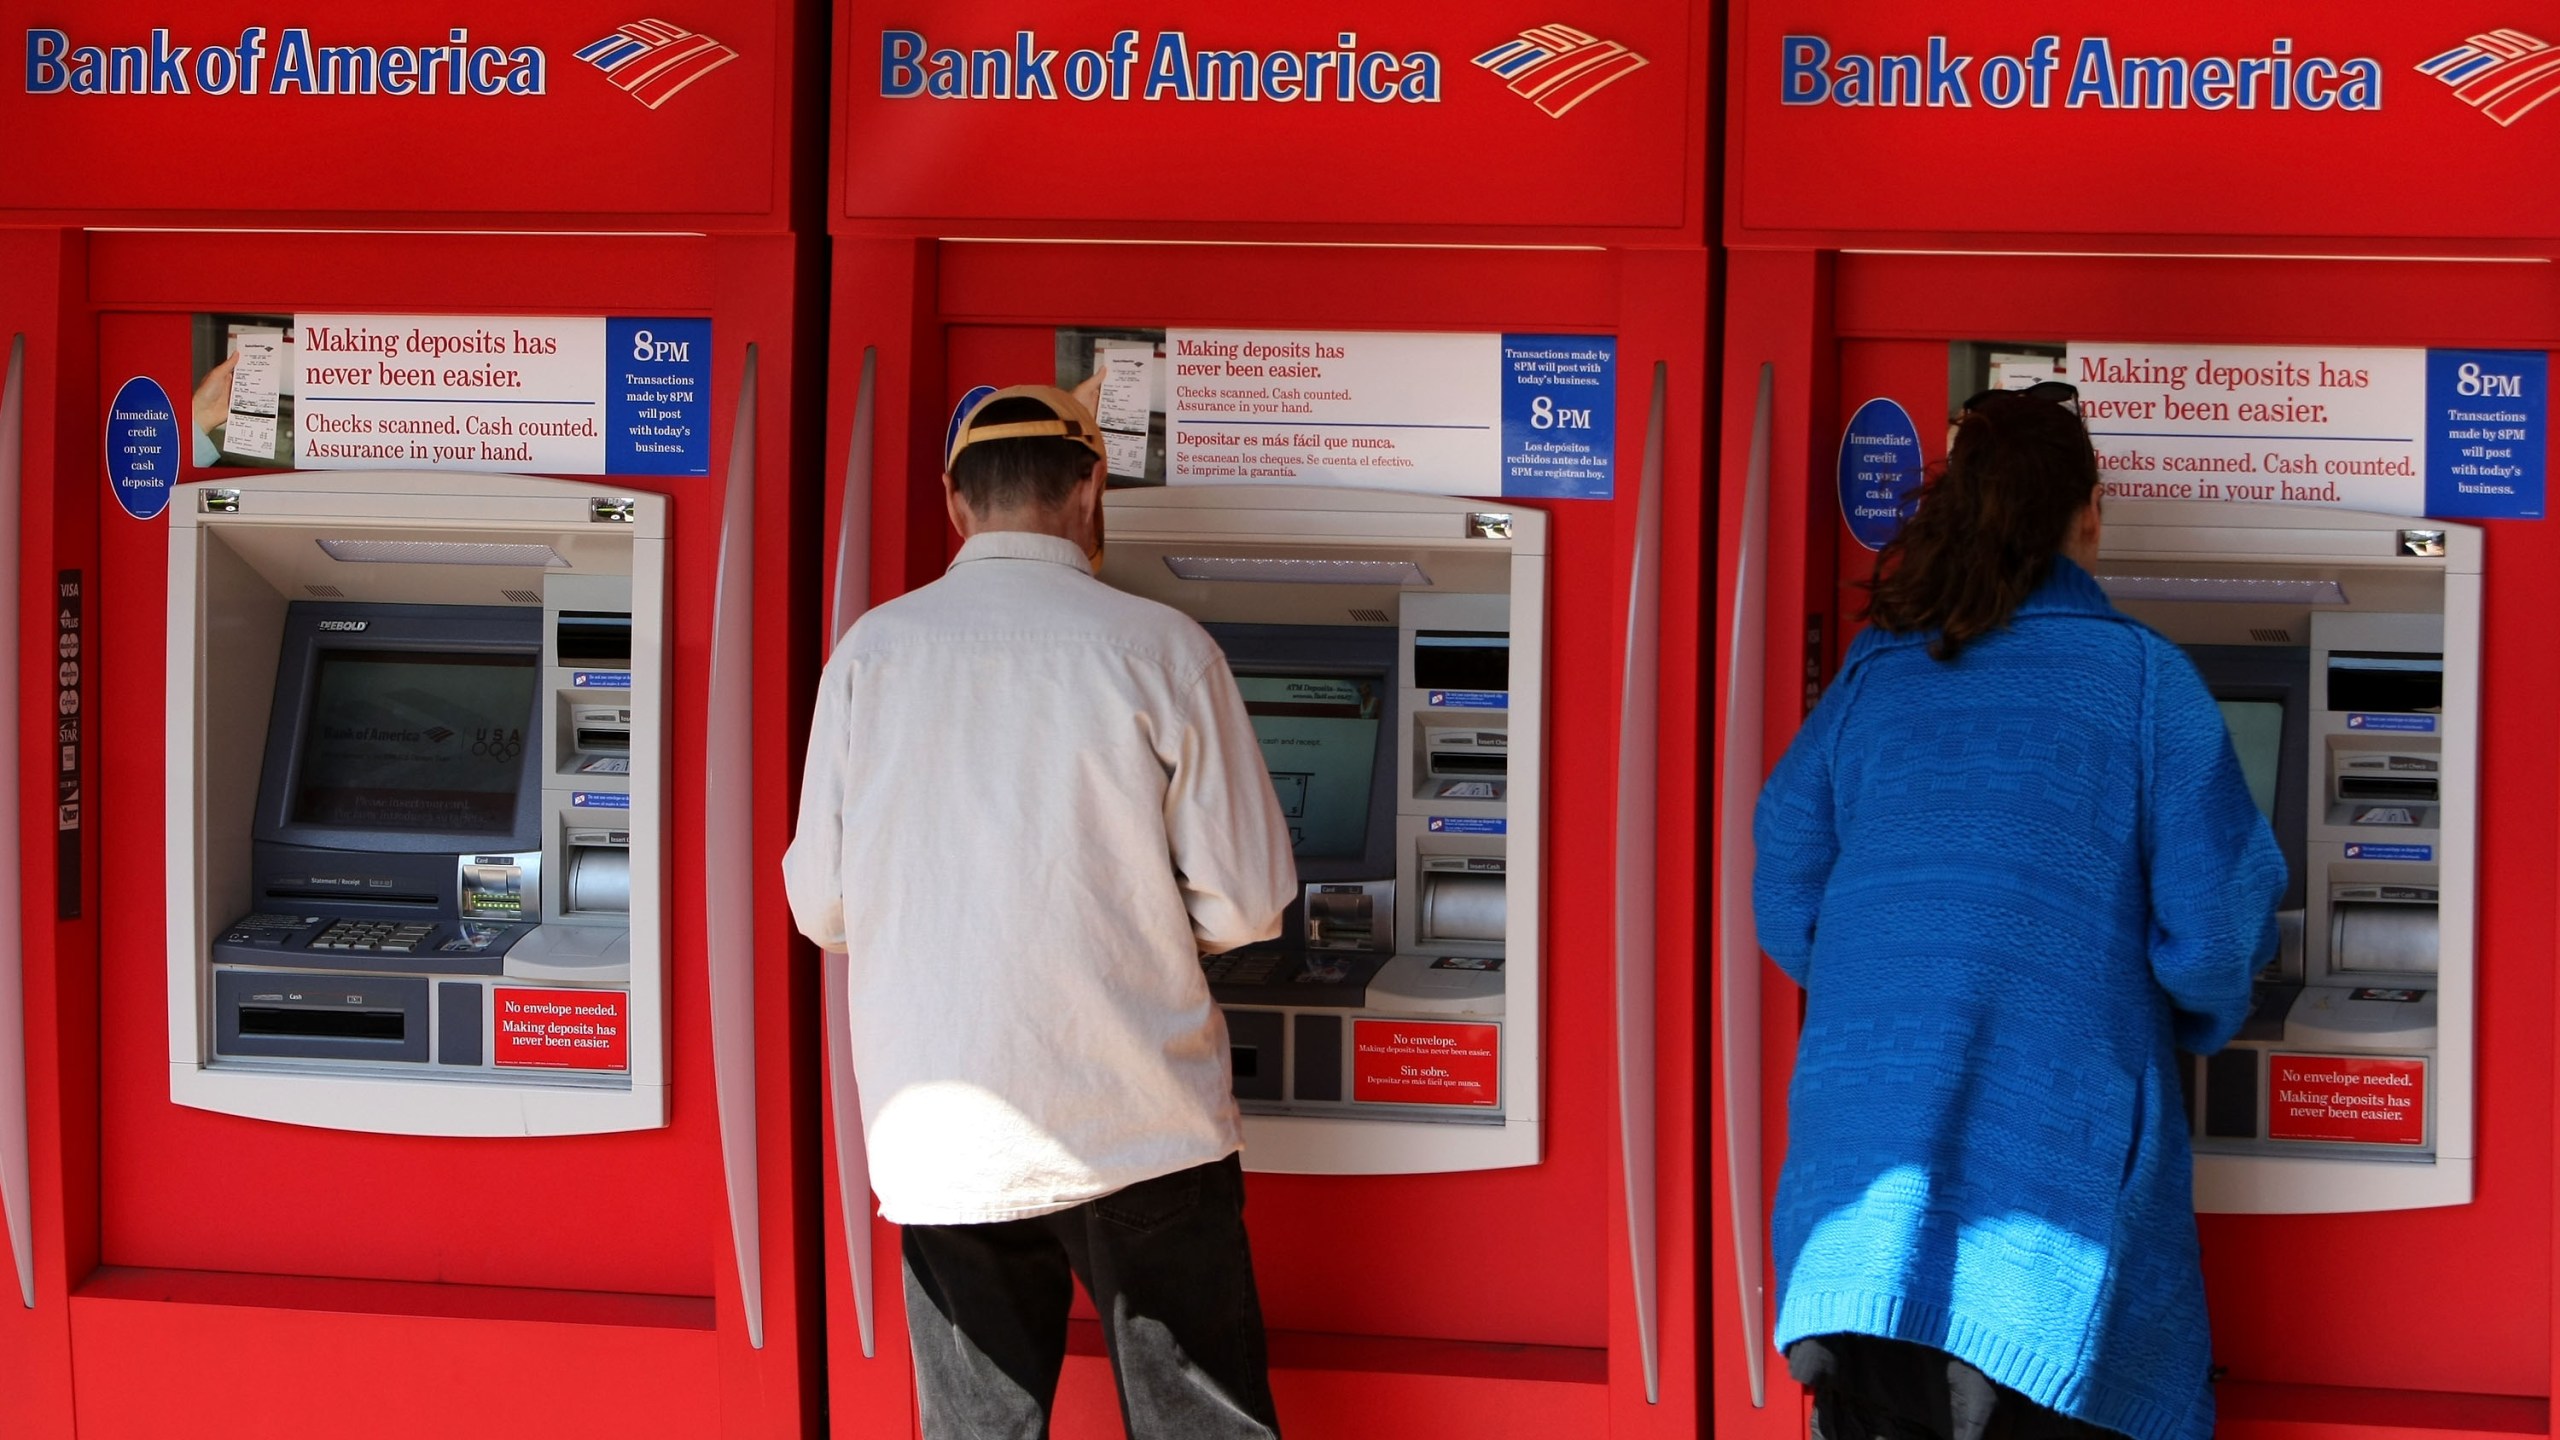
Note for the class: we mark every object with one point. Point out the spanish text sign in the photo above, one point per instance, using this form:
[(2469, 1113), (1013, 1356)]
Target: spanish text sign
[(2401, 432), (1529, 416), (561, 395)]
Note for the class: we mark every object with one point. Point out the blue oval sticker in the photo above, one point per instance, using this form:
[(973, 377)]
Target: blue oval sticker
[(143, 445), (1879, 471)]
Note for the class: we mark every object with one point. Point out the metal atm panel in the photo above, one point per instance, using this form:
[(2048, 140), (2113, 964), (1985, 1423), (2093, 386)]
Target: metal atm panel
[(1432, 941), (333, 971), (2350, 1088)]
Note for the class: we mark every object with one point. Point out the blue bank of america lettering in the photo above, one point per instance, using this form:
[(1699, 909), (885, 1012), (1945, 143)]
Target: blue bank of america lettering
[(2094, 77), (292, 65), (1168, 68)]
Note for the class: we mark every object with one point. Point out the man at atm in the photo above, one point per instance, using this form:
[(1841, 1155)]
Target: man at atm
[(1032, 802)]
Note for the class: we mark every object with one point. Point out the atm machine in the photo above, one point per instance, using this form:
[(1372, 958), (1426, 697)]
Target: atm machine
[(2344, 650), (1390, 649), (2373, 1172), (416, 796)]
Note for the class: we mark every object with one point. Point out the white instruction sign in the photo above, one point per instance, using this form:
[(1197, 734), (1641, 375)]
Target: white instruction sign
[(1444, 414), (2396, 431)]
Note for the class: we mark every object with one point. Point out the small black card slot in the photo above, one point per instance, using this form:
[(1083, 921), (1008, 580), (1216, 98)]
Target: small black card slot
[(592, 739), (1459, 762)]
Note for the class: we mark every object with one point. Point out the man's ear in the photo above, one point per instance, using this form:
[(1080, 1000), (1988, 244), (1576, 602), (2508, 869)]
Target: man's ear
[(957, 508)]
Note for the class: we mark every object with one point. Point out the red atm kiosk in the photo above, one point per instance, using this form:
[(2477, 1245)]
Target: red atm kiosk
[(2288, 258), (1269, 232), (403, 430)]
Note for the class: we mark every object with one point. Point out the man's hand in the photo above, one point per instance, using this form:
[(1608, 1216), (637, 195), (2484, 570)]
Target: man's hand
[(1089, 393), (213, 395)]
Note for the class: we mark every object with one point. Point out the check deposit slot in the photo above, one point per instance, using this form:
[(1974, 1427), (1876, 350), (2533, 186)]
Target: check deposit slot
[(1390, 651), (2344, 651), (415, 804)]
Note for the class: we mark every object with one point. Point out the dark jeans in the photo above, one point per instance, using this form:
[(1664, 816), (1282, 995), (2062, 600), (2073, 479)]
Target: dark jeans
[(1166, 1264), (1869, 1388)]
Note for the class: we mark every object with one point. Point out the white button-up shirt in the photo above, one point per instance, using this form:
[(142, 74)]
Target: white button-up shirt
[(1032, 801)]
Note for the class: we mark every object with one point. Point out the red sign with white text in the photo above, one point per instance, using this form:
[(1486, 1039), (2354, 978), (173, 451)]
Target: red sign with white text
[(561, 1029), (2358, 1100), (1405, 1062), (2166, 118), (1575, 117), (555, 113)]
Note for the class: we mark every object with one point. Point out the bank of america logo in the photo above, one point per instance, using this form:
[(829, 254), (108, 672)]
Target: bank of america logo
[(653, 60), (1556, 67), (439, 734), (2502, 74)]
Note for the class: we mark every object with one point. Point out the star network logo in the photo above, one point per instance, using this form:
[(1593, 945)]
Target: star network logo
[(652, 60), (2503, 74), (1556, 67)]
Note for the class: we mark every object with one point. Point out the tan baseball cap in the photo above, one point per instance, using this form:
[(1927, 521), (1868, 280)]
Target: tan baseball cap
[(1069, 420)]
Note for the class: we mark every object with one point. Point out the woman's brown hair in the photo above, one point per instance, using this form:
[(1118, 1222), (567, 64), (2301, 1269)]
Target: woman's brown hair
[(1988, 525)]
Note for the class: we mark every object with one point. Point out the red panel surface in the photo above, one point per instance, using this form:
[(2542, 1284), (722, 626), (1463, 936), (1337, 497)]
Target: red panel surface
[(42, 278), (156, 1358), (580, 150), (444, 1261), (1615, 150), (2123, 175), (2468, 1288)]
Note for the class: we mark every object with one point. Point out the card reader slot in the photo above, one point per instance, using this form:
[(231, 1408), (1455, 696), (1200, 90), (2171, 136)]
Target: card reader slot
[(594, 637), (334, 1023), (1445, 762), (349, 897), (595, 738)]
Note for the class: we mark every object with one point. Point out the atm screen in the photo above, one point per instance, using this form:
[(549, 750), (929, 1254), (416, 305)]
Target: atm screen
[(2257, 737), (415, 740), (1319, 738)]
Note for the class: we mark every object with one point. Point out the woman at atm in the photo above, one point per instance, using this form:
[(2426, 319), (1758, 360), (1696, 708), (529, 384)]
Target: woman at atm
[(2012, 860)]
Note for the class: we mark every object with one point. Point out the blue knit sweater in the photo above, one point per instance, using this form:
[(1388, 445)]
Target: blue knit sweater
[(2012, 885)]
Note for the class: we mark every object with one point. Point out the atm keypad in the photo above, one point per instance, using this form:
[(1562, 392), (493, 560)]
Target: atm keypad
[(380, 936)]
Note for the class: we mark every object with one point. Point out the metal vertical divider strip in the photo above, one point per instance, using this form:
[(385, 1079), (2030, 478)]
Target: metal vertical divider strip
[(1638, 806), (1738, 945), (851, 597), (728, 860), (16, 1190)]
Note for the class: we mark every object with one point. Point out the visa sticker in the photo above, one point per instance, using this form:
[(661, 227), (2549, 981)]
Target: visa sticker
[(1465, 825), (2406, 724), (2358, 851)]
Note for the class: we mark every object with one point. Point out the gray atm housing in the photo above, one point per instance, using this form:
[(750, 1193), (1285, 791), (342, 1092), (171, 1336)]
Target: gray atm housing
[(2365, 629), (1434, 924)]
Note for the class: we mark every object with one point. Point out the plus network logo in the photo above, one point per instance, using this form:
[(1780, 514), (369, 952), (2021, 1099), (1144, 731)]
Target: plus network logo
[(2502, 74), (652, 60), (1556, 67)]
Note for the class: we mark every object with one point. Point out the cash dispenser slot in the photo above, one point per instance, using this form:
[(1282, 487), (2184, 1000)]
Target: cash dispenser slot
[(2385, 775), (1464, 901)]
